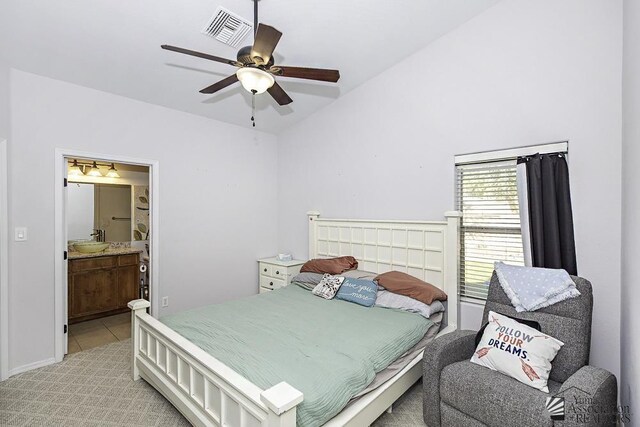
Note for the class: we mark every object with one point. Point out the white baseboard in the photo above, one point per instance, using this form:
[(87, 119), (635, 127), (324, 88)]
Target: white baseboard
[(30, 366)]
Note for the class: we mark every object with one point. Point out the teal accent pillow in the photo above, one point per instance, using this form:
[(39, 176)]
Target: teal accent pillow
[(360, 291)]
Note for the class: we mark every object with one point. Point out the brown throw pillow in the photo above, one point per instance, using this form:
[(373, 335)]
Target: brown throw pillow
[(409, 286), (330, 265)]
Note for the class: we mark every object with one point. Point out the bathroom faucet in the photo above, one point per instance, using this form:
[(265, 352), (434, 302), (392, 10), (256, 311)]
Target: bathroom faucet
[(99, 234)]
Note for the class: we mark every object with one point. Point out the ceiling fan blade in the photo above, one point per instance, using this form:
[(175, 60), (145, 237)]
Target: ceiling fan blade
[(279, 94), (265, 43), (201, 55), (307, 73), (221, 84)]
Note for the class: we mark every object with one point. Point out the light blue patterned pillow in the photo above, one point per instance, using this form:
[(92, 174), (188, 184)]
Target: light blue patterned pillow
[(360, 291)]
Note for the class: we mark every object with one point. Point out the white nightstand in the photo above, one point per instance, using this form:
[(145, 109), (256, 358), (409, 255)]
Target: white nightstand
[(275, 274)]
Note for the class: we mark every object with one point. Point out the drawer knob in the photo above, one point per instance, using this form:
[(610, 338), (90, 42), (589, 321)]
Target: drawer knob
[(270, 283), (265, 270), (277, 272)]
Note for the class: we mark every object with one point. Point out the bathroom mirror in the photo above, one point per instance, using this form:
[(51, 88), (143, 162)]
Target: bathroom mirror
[(93, 207)]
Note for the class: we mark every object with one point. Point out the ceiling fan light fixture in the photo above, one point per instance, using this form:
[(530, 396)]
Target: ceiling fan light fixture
[(255, 79)]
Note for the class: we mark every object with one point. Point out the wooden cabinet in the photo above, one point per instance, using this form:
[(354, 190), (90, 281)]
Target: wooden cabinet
[(101, 286), (275, 274), (128, 279)]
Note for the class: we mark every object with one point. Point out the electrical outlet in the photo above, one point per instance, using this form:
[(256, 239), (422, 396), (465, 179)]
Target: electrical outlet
[(165, 301), (21, 234)]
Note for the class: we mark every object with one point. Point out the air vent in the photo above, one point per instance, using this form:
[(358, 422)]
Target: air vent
[(227, 27)]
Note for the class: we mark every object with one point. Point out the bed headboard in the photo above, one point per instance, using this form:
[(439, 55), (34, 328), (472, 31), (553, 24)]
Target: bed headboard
[(424, 249)]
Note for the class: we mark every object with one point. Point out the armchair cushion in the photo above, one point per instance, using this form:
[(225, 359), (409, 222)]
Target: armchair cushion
[(452, 417), (442, 351), (492, 398)]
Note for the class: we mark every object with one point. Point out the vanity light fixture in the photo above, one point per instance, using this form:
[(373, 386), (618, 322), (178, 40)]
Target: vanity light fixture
[(94, 171), (91, 168), (74, 169), (113, 173)]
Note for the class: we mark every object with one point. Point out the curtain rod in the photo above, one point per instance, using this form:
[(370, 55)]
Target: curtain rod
[(516, 148), (511, 153)]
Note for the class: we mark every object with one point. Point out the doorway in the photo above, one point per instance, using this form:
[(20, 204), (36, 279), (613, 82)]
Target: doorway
[(105, 259)]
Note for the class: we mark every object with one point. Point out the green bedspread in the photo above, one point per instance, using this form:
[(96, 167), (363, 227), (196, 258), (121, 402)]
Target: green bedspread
[(328, 349)]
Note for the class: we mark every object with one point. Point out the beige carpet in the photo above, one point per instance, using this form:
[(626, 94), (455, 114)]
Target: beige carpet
[(90, 388), (94, 388)]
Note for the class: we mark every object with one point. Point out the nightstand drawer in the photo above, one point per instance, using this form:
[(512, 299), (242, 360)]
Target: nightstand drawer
[(265, 269), (275, 271), (271, 283), (279, 272)]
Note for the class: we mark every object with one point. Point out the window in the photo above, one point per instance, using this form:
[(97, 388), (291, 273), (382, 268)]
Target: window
[(487, 196)]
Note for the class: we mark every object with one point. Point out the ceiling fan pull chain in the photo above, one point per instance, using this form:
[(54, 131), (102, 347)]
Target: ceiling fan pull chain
[(253, 107)]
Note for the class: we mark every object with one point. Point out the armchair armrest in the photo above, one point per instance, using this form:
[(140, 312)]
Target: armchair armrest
[(590, 398), (442, 351)]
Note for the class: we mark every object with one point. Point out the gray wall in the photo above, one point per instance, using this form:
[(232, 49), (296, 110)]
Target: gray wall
[(630, 325), (521, 73), (212, 178)]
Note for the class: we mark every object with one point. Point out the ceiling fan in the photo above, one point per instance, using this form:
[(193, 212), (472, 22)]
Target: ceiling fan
[(256, 68)]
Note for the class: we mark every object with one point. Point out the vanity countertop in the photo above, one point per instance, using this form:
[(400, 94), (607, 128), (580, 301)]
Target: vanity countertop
[(107, 252)]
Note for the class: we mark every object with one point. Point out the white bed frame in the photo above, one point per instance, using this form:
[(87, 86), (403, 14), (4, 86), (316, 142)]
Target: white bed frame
[(209, 393)]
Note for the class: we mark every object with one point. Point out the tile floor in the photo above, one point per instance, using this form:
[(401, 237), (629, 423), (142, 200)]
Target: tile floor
[(94, 333)]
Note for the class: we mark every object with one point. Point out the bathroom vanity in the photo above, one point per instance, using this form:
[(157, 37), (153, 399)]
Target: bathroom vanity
[(101, 284)]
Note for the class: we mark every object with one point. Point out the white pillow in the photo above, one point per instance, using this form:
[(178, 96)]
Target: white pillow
[(388, 299), (328, 286), (517, 350)]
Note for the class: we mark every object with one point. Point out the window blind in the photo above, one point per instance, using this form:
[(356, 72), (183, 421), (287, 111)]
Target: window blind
[(487, 196)]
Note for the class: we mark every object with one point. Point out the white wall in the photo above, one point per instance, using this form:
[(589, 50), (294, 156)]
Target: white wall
[(4, 78), (521, 73), (4, 100), (630, 324), (80, 211), (217, 196)]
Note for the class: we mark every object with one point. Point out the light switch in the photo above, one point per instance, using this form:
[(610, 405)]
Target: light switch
[(21, 234)]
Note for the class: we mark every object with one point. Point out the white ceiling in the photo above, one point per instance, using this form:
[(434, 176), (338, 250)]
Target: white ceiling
[(114, 46)]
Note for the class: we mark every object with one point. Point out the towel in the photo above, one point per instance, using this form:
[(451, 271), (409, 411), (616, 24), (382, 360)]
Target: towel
[(532, 288)]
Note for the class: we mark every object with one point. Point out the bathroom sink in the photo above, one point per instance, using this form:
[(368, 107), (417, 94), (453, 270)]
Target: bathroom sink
[(90, 247)]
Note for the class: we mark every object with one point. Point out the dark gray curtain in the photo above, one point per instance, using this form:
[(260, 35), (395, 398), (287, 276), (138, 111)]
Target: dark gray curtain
[(550, 214)]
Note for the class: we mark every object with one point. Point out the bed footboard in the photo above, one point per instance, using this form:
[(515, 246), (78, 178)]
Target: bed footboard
[(203, 389)]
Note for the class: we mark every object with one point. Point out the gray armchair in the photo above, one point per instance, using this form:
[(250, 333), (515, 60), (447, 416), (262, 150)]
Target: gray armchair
[(460, 393)]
